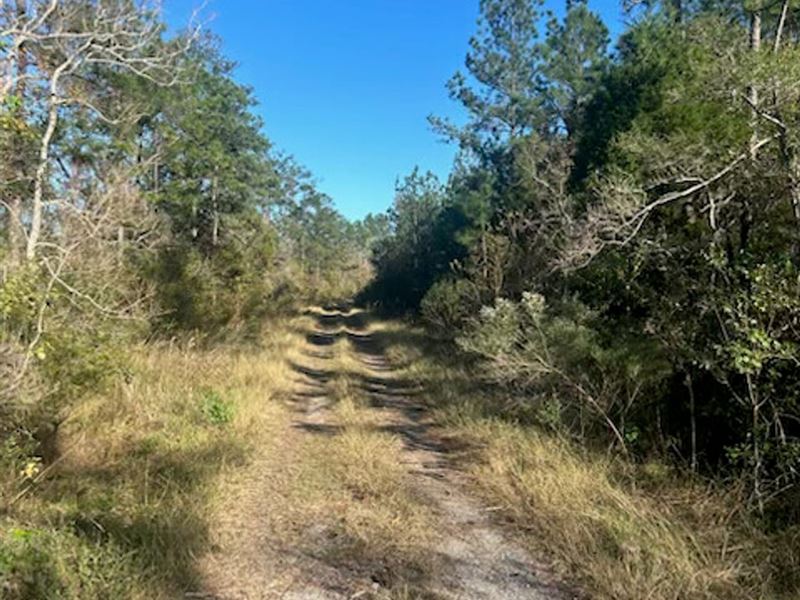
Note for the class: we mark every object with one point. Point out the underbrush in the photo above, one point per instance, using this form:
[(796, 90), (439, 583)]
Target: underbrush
[(123, 511), (623, 531), (667, 540)]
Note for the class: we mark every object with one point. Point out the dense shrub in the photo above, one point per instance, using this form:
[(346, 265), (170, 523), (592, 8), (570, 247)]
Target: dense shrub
[(560, 359), (41, 564), (53, 352), (448, 304)]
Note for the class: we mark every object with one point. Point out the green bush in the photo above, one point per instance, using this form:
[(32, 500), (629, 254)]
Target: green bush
[(27, 568), (448, 304), (560, 352), (39, 564), (52, 351), (211, 294)]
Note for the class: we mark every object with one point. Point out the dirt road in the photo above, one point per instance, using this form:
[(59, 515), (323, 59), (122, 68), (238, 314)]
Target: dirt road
[(474, 558)]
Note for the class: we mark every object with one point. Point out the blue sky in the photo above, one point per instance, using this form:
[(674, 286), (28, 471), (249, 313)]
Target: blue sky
[(346, 85)]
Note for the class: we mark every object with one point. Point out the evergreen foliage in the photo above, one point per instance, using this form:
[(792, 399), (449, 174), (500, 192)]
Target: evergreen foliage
[(629, 223)]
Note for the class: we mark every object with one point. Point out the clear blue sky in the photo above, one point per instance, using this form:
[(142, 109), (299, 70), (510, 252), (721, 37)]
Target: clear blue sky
[(346, 85)]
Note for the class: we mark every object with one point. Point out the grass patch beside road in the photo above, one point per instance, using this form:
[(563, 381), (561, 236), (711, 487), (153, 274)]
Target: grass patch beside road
[(124, 510)]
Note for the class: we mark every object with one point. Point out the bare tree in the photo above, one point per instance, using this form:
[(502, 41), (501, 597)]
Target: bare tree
[(71, 40)]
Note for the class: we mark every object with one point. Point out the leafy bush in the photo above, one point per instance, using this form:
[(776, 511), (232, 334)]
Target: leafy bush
[(214, 294), (448, 304), (51, 352), (27, 569), (20, 346), (562, 353), (40, 564)]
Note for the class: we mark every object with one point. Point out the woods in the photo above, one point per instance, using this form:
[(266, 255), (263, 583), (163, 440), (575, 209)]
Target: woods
[(618, 240), (140, 201), (608, 278), (629, 220), (140, 198)]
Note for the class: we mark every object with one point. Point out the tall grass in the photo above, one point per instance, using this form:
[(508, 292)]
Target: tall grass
[(197, 469), (664, 542), (124, 510)]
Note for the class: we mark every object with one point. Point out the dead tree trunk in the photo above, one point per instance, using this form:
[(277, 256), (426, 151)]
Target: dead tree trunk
[(14, 208), (752, 92)]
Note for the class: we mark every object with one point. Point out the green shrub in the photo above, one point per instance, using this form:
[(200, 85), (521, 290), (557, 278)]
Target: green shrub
[(210, 295), (448, 304), (52, 351), (44, 564), (27, 568), (560, 352)]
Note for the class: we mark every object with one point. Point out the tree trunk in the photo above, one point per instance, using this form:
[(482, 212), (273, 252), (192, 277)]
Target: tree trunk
[(794, 182), (757, 492), (788, 149), (755, 405), (215, 211), (14, 224), (37, 208), (120, 242), (752, 93), (692, 421), (195, 230), (485, 259), (781, 23)]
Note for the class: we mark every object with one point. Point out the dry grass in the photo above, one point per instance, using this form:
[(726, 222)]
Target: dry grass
[(126, 510), (624, 545), (624, 532), (153, 477), (326, 506), (351, 495)]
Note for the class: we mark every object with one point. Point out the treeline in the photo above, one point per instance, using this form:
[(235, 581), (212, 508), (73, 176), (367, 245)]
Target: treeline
[(619, 239), (139, 199)]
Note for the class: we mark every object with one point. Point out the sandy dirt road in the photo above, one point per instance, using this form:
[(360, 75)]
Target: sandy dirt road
[(478, 560)]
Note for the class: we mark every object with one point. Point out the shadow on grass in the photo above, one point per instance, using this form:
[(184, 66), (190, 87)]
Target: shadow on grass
[(150, 505), (408, 574), (312, 374), (341, 315)]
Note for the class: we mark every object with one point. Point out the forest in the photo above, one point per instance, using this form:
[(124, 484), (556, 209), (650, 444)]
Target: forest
[(601, 300), (141, 199)]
